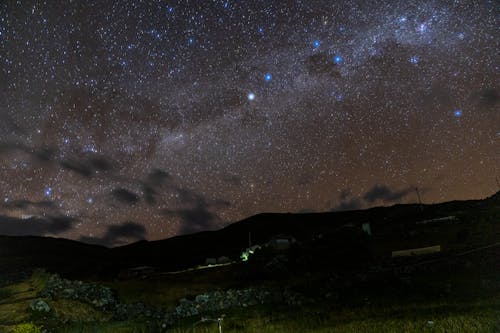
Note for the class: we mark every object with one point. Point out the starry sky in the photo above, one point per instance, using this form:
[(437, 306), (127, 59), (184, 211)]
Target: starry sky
[(122, 120)]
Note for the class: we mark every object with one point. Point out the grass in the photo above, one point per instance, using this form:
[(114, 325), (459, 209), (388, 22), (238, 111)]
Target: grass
[(109, 327), (439, 317), (165, 290), (434, 301)]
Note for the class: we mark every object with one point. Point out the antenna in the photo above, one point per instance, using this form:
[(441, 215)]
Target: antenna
[(419, 199)]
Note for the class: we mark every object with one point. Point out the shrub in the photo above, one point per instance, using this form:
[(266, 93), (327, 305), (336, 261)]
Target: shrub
[(27, 328)]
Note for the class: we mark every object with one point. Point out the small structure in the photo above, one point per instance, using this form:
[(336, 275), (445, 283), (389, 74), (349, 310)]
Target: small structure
[(366, 228), (282, 242), (417, 252), (223, 260), (136, 272), (210, 261)]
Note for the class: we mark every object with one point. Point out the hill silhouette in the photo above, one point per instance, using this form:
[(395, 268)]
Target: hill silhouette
[(393, 227)]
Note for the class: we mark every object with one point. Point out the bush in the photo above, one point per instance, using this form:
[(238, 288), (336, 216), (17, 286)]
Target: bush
[(27, 328)]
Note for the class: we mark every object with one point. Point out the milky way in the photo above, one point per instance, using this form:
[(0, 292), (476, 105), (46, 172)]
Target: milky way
[(122, 120)]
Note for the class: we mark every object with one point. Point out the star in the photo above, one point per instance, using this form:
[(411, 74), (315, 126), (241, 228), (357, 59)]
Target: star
[(414, 59), (337, 59), (268, 77), (251, 96), (47, 191)]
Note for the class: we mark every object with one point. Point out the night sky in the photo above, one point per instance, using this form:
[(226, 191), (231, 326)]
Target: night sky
[(122, 120)]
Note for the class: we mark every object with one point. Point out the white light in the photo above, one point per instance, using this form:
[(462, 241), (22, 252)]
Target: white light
[(251, 96)]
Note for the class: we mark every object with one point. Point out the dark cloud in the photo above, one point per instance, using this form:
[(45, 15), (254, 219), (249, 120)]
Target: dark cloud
[(349, 204), (100, 163), (86, 166), (12, 226), (344, 194), (197, 214), (489, 97), (125, 196), (377, 193), (78, 167), (322, 64), (24, 204), (158, 177), (44, 154), (385, 194), (119, 234), (27, 208), (153, 183)]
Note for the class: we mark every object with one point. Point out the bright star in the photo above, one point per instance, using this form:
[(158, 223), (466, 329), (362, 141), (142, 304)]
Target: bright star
[(47, 191), (414, 59), (457, 113), (316, 44), (422, 28), (251, 96), (337, 59), (268, 77)]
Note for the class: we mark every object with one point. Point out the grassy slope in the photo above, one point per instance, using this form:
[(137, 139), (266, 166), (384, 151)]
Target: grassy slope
[(468, 306)]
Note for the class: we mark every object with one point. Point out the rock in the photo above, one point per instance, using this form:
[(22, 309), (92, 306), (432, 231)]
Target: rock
[(39, 305)]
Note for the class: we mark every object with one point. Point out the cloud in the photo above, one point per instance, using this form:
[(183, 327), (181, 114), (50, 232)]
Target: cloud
[(86, 166), (489, 97), (44, 154), (196, 215), (118, 234), (349, 204), (154, 181), (25, 204), (12, 226), (322, 64), (125, 196), (377, 193), (385, 194)]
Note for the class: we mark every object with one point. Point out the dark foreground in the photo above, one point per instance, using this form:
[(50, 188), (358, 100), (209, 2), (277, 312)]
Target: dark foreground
[(312, 273)]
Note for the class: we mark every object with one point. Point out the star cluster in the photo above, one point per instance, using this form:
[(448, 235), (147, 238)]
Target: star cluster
[(167, 117)]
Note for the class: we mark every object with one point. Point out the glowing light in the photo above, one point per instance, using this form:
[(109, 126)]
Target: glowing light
[(316, 44), (268, 77), (457, 113), (251, 96), (337, 59)]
